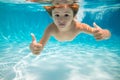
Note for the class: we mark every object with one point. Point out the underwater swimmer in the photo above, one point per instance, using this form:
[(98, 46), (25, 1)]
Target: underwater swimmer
[(65, 28)]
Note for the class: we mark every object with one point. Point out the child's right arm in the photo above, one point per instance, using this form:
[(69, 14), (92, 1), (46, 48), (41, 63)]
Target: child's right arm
[(35, 47)]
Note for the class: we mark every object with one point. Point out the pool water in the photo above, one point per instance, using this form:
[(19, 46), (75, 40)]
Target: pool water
[(84, 58)]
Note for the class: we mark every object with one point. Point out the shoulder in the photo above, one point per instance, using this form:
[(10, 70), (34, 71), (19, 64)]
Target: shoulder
[(78, 25), (81, 26), (50, 29)]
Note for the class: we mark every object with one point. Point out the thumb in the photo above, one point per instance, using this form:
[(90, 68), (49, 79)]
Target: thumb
[(96, 26), (33, 38)]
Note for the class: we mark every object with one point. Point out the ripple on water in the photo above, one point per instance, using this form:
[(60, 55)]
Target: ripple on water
[(68, 62)]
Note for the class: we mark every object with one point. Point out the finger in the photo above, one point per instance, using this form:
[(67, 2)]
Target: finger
[(35, 49), (96, 26), (32, 46), (33, 38), (99, 38), (98, 35), (96, 31), (36, 52), (38, 45)]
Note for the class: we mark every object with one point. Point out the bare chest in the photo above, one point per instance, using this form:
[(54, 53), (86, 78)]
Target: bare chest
[(67, 36)]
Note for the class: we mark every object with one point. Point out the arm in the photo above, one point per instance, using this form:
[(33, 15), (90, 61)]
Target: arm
[(46, 36), (35, 47), (86, 28), (98, 32)]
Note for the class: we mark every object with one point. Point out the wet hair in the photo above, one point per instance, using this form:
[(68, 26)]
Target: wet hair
[(74, 8)]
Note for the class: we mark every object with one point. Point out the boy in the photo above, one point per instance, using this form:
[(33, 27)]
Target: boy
[(65, 28)]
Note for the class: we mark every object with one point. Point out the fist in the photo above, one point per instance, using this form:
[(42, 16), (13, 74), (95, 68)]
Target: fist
[(34, 46), (100, 33)]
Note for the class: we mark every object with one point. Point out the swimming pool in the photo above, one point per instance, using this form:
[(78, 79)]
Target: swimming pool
[(84, 58)]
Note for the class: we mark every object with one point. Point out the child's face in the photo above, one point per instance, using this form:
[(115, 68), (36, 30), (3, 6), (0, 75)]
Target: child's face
[(56, 2), (62, 17)]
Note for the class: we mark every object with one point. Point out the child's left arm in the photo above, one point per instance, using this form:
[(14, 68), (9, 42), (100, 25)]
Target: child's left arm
[(97, 31), (100, 33)]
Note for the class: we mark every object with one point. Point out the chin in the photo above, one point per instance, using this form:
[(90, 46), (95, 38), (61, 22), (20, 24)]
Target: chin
[(62, 29), (61, 26)]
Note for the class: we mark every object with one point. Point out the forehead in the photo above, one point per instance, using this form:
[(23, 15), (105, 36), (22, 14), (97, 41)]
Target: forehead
[(62, 10)]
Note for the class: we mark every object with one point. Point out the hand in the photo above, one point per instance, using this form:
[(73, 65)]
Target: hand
[(100, 33), (34, 46)]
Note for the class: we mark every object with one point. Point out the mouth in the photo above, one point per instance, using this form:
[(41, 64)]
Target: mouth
[(62, 25)]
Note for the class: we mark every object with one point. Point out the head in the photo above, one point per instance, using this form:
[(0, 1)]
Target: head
[(63, 15)]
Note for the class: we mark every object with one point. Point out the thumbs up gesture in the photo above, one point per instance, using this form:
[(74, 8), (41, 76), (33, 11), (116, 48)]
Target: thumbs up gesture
[(100, 33), (34, 46)]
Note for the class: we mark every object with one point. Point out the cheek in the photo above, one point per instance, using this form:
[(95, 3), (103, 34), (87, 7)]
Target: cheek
[(69, 19), (55, 20)]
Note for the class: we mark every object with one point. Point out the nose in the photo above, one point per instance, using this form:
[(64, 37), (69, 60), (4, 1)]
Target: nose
[(61, 19)]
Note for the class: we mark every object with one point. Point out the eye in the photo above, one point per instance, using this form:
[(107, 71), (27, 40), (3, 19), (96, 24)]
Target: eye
[(57, 15), (66, 15), (57, 3)]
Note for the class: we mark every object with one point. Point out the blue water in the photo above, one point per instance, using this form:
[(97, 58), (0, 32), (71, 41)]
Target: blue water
[(84, 58)]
